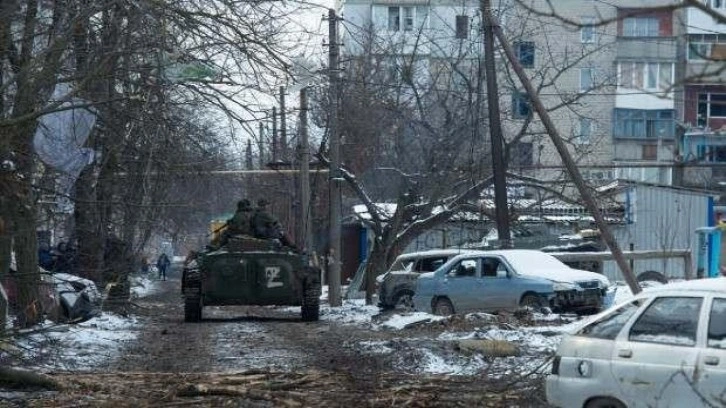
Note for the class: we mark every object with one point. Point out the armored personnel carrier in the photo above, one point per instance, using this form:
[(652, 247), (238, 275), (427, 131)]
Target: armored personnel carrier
[(250, 271)]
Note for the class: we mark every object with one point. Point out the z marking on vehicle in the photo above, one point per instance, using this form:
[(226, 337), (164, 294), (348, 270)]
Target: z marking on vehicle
[(273, 273)]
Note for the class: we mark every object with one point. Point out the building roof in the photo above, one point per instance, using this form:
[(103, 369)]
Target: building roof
[(621, 184)]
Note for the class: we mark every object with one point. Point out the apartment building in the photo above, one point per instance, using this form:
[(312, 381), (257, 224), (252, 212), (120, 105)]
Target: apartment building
[(704, 104), (623, 79)]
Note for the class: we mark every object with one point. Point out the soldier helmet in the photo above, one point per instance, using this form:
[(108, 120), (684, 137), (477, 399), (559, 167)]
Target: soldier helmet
[(262, 202), (244, 204)]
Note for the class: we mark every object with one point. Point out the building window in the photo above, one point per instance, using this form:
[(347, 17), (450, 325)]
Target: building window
[(707, 47), (462, 27), (710, 106), (641, 27), (520, 105), (650, 152), (401, 17), (394, 19), (408, 18), (584, 131), (645, 75), (643, 124), (521, 154), (711, 153), (525, 53), (587, 32), (586, 79)]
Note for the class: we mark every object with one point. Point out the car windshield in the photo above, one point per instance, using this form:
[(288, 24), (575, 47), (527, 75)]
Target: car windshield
[(401, 265), (527, 261)]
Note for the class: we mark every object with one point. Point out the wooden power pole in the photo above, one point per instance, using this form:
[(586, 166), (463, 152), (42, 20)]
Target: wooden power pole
[(305, 234), (499, 170), (283, 126), (261, 146), (273, 140), (334, 253)]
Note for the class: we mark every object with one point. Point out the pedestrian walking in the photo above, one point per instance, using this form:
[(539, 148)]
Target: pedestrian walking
[(162, 264)]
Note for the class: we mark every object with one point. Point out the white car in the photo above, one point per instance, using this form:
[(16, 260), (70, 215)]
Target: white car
[(665, 347)]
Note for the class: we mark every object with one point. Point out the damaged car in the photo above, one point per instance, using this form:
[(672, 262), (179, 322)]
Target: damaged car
[(79, 298), (63, 297), (396, 286), (505, 280)]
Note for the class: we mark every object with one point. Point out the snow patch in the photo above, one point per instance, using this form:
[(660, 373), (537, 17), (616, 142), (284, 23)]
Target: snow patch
[(398, 322), (83, 346), (353, 311), (142, 286)]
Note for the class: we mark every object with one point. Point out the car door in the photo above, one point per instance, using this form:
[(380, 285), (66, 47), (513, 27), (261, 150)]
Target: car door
[(654, 357), (711, 381), (494, 286), (461, 284)]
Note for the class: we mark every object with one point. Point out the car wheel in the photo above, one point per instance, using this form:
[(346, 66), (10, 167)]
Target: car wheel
[(530, 300), (404, 301), (652, 276), (443, 307), (604, 403)]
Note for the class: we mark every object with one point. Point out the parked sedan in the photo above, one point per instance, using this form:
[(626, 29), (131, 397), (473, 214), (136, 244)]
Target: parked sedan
[(479, 281), (507, 279), (664, 347)]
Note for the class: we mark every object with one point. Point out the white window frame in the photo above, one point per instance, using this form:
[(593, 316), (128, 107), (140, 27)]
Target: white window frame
[(587, 31), (405, 14), (579, 139), (646, 73), (591, 74), (637, 25)]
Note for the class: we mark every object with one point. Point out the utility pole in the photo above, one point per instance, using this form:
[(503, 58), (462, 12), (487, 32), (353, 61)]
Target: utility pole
[(334, 255), (274, 135), (569, 163), (283, 126), (248, 155), (501, 209), (261, 146), (305, 233)]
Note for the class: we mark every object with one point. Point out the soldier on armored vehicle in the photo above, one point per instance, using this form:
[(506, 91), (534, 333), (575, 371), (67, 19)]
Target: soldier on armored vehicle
[(266, 226), (249, 267), (239, 224)]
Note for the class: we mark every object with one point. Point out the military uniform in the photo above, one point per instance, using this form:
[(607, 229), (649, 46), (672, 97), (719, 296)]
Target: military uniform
[(266, 226), (263, 223), (240, 223)]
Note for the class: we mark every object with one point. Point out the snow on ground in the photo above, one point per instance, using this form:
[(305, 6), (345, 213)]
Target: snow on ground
[(82, 346), (438, 354), (399, 322), (142, 286)]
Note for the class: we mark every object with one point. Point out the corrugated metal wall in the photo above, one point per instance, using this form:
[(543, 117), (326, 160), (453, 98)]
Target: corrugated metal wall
[(663, 219)]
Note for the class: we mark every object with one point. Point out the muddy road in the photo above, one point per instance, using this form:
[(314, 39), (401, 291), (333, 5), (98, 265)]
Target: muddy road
[(267, 357)]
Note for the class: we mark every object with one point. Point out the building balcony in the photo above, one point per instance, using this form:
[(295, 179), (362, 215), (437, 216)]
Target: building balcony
[(646, 48), (705, 146)]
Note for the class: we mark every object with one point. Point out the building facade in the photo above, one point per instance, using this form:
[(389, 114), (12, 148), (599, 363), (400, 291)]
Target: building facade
[(634, 87)]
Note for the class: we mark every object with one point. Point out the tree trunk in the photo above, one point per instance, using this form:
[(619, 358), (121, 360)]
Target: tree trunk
[(88, 227), (26, 255)]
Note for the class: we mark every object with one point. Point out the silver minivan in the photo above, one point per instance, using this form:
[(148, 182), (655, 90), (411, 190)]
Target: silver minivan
[(665, 347)]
